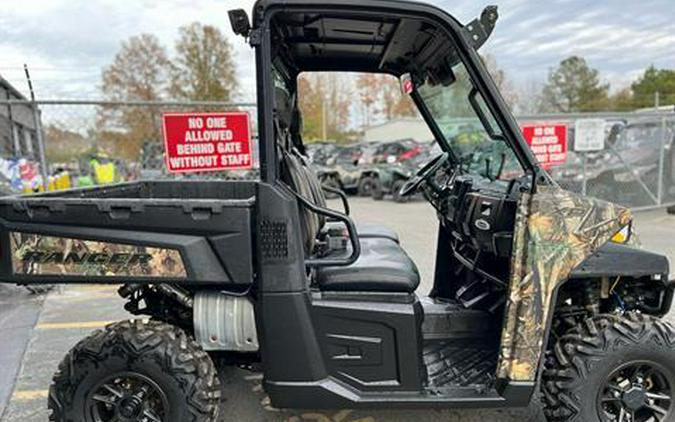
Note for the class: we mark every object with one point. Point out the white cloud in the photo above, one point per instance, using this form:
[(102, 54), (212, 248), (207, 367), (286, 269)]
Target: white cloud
[(67, 42)]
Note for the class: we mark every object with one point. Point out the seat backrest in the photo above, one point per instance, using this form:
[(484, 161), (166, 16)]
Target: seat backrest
[(294, 174), (295, 169)]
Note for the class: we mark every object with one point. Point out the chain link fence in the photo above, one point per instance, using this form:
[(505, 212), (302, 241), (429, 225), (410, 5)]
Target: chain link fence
[(94, 142), (635, 167)]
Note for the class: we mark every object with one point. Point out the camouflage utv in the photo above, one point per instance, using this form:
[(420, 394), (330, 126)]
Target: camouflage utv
[(535, 288)]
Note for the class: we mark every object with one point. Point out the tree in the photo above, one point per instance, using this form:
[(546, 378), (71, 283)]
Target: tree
[(621, 100), (139, 72), (381, 95), (574, 87), (62, 144), (203, 69), (529, 97), (502, 81), (325, 99), (368, 86), (310, 98), (652, 81), (395, 103)]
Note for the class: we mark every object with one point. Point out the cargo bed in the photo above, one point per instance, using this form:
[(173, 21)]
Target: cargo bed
[(193, 232)]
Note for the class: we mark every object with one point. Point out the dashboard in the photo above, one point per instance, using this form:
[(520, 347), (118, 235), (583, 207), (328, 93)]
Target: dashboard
[(479, 211), (482, 215), (478, 217)]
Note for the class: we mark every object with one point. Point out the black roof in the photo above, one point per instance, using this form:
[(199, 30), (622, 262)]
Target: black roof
[(369, 35)]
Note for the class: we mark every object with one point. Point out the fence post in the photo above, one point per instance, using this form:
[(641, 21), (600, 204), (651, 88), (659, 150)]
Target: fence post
[(41, 146), (584, 182), (38, 132), (659, 194)]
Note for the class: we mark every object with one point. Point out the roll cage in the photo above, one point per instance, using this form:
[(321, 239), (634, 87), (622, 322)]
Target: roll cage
[(371, 36)]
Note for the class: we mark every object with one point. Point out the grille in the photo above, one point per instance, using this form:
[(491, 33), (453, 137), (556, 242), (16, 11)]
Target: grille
[(274, 240)]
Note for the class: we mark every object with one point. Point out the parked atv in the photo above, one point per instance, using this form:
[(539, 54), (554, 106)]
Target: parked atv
[(388, 179), (345, 169), (535, 288), (627, 170), (631, 164)]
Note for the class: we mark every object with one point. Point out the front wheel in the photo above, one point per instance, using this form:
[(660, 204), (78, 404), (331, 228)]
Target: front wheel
[(377, 191), (612, 369), (135, 371), (396, 192), (365, 186)]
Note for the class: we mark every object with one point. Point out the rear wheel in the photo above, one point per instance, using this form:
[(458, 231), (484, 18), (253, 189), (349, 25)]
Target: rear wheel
[(365, 187), (135, 371), (612, 369)]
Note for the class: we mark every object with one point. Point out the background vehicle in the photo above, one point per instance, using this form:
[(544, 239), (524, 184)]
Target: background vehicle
[(389, 177), (529, 280), (633, 157), (346, 167)]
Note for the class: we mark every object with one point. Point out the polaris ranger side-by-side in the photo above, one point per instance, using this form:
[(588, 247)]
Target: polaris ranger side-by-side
[(534, 287)]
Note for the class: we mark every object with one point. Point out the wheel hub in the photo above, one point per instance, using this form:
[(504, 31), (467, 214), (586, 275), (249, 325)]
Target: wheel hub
[(127, 397), (635, 398), (637, 392), (130, 407)]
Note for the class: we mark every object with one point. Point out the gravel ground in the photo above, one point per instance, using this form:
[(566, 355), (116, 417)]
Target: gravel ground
[(70, 313)]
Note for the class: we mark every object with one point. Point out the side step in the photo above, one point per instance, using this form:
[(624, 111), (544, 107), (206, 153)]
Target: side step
[(452, 366), (448, 320)]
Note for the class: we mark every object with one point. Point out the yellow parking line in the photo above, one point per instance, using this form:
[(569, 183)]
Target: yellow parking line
[(71, 325), (30, 394)]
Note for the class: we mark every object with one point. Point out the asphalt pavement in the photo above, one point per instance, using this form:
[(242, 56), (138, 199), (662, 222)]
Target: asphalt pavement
[(34, 344), (19, 311)]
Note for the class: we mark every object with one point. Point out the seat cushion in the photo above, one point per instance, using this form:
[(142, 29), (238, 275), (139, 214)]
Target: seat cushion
[(382, 267), (367, 230)]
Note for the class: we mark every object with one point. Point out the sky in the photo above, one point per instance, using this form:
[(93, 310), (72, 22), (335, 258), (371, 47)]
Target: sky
[(66, 43)]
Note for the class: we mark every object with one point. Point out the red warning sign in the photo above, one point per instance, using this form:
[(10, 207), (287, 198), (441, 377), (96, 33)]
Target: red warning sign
[(548, 143), (207, 141)]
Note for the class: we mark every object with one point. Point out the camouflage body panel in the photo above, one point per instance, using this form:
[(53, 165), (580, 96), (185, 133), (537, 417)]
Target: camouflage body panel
[(34, 254), (555, 231)]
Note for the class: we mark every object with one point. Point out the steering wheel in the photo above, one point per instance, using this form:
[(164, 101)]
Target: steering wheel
[(429, 169)]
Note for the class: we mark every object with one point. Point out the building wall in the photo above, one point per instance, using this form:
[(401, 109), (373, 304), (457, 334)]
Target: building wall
[(399, 129), (18, 137)]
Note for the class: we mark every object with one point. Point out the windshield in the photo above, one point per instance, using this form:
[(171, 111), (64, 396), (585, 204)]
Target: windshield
[(464, 133)]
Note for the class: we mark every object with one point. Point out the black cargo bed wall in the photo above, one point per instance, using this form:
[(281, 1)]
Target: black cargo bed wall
[(209, 223)]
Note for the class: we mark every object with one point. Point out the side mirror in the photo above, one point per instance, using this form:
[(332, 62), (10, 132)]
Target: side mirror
[(239, 22)]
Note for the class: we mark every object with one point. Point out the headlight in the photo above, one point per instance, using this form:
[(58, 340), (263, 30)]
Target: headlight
[(623, 236)]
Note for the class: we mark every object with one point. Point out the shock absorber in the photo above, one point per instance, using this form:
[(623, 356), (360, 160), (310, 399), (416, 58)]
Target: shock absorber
[(591, 299)]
